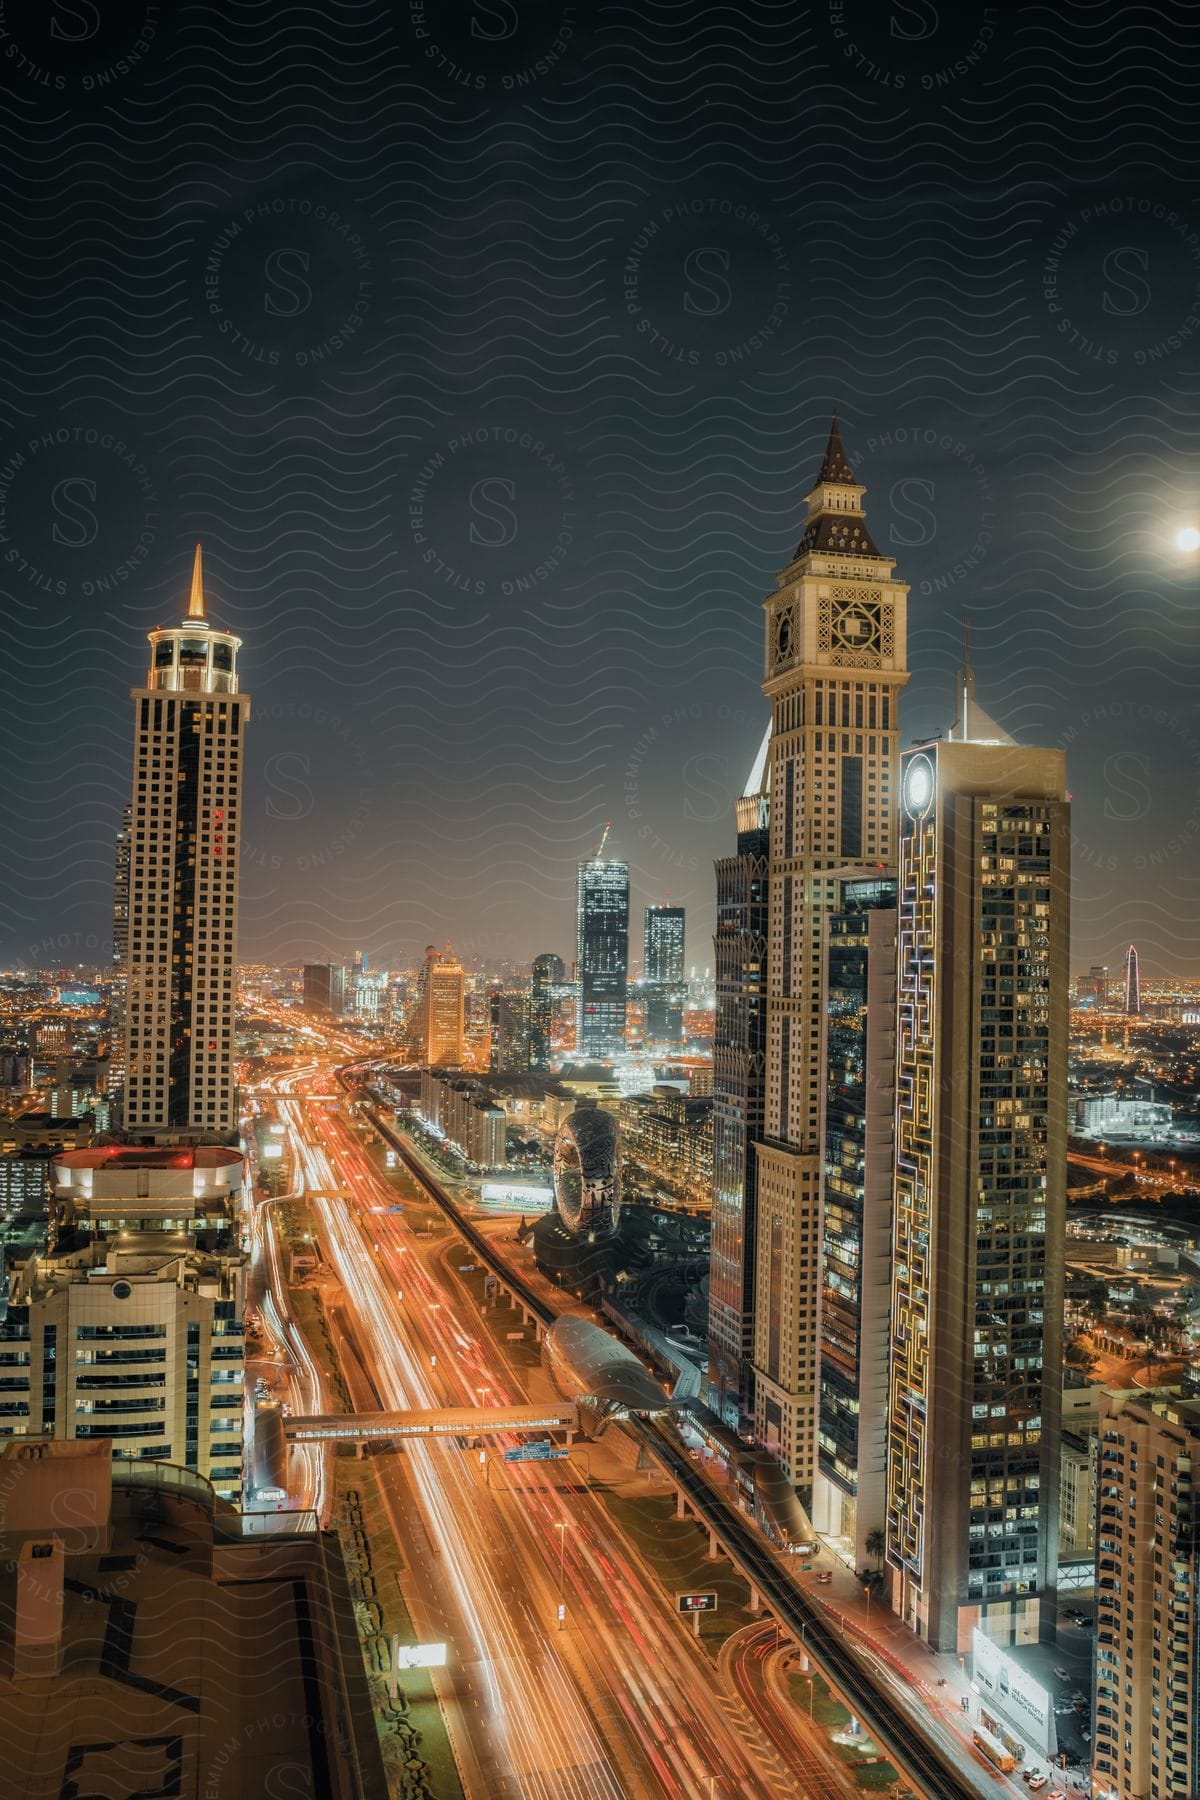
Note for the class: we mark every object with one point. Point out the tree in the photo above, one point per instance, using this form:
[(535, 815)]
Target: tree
[(876, 1544)]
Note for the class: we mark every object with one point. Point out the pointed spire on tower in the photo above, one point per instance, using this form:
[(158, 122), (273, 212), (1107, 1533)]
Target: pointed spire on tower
[(836, 464), (973, 725), (836, 525), (966, 683), (196, 597)]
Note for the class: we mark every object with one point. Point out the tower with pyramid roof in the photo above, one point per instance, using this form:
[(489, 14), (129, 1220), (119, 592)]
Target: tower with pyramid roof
[(835, 665), (185, 825)]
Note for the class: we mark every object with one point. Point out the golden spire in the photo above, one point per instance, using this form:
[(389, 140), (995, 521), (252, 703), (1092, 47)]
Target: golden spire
[(196, 597)]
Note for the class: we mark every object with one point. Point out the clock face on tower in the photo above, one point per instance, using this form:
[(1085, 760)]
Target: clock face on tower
[(855, 628)]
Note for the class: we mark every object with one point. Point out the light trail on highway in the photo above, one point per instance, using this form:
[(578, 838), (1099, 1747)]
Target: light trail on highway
[(619, 1703), (307, 1388)]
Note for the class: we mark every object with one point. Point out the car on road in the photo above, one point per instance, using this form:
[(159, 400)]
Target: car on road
[(1037, 1781), (825, 1575), (1062, 1675)]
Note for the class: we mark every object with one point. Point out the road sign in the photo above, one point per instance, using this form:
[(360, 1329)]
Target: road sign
[(695, 1603), (540, 1452)]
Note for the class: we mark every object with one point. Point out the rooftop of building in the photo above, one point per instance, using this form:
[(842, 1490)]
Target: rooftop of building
[(192, 1657), (137, 1156), (1171, 1405), (135, 1256), (518, 1087), (46, 1121)]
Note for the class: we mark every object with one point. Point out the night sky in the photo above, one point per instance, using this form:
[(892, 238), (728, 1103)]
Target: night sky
[(490, 349)]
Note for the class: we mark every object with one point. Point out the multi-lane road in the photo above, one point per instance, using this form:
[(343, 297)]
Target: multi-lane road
[(619, 1701), (613, 1698)]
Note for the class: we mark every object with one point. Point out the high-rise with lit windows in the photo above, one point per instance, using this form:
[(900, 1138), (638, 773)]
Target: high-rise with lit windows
[(1147, 1726), (1133, 986), (739, 1086), (120, 958), (189, 728), (835, 665), (664, 982), (441, 1009), (859, 1060), (548, 975), (602, 958), (980, 1186)]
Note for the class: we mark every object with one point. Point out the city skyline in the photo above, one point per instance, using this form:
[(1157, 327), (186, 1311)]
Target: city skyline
[(349, 484), (534, 1261)]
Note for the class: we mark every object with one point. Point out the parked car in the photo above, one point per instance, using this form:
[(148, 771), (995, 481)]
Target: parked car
[(1062, 1675)]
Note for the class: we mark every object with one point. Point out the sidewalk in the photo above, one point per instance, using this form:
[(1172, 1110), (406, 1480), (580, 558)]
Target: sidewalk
[(940, 1679)]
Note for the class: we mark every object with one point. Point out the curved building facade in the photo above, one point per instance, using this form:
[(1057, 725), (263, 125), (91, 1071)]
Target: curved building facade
[(587, 1172)]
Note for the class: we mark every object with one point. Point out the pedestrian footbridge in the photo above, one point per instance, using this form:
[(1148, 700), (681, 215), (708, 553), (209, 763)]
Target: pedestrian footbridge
[(430, 1422)]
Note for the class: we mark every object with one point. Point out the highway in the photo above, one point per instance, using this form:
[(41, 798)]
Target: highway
[(617, 1703), (931, 1758), (890, 1716)]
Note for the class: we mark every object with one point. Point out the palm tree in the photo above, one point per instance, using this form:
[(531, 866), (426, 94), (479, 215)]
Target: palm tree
[(876, 1544)]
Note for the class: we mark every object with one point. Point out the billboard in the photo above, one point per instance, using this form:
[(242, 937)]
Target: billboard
[(516, 1196), (695, 1603), (1026, 1705)]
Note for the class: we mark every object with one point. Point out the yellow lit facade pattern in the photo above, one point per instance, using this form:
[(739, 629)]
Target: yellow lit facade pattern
[(979, 1217), (441, 1010), (835, 664)]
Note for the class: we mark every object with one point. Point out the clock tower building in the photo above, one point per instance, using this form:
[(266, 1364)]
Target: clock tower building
[(835, 664)]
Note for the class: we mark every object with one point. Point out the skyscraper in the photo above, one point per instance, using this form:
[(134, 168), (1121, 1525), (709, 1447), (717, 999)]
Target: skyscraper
[(548, 974), (739, 1096), (835, 663), (1147, 1730), (859, 1059), (980, 1207), (189, 727), (324, 988), (509, 1016), (120, 965), (441, 1009), (1133, 989), (665, 985), (602, 956)]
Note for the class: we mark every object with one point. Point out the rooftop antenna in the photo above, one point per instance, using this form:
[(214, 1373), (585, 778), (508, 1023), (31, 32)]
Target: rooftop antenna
[(598, 849), (961, 729)]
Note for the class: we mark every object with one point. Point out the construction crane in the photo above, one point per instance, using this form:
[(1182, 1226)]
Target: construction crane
[(598, 849)]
